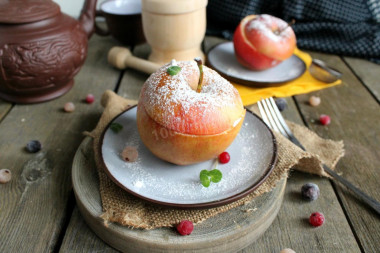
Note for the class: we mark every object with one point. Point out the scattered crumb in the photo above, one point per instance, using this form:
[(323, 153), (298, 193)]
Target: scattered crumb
[(69, 107), (130, 154), (5, 176), (287, 251), (250, 210)]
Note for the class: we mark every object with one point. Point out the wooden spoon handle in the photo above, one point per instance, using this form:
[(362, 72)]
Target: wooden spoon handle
[(121, 58)]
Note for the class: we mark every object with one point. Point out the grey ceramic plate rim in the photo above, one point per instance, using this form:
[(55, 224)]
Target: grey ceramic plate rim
[(210, 204), (253, 82)]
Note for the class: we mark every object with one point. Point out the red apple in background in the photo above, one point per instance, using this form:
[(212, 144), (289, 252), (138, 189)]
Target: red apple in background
[(263, 41)]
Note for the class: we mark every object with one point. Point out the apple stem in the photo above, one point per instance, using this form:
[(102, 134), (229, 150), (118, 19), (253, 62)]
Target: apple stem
[(200, 66), (279, 31)]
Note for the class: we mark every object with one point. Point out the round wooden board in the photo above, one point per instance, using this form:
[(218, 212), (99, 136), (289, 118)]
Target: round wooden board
[(226, 232)]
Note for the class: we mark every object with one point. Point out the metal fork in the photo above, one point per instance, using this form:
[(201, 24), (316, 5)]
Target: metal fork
[(274, 119)]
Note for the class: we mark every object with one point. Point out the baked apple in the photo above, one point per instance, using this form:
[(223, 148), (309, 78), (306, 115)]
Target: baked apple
[(263, 41), (187, 113)]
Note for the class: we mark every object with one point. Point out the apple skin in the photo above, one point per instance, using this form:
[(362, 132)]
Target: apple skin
[(256, 44), (179, 148), (182, 126)]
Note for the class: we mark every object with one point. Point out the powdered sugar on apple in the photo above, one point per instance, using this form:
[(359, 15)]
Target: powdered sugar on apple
[(263, 24), (177, 98)]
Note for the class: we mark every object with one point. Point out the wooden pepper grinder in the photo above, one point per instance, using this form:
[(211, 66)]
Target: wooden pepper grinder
[(174, 28)]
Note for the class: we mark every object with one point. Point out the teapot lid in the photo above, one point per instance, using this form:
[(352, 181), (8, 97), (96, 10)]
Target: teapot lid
[(27, 11)]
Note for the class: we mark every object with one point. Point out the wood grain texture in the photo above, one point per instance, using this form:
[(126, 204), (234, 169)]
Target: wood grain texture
[(355, 118), (226, 232), (368, 72), (291, 229), (5, 107), (34, 204), (81, 239), (132, 82)]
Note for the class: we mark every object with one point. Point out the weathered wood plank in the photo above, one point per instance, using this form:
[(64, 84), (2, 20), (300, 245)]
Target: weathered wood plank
[(355, 118), (5, 107), (80, 238), (291, 228), (34, 204), (133, 80), (368, 72)]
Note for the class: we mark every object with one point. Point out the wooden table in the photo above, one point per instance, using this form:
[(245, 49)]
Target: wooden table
[(38, 212)]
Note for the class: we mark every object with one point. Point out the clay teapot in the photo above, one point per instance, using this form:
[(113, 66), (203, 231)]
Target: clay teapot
[(41, 49)]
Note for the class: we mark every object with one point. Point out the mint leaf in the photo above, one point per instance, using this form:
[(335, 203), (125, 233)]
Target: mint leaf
[(208, 176), (116, 127), (173, 70), (205, 180), (215, 175)]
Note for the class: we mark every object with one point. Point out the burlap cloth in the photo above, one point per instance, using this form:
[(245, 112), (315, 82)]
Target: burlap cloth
[(128, 210)]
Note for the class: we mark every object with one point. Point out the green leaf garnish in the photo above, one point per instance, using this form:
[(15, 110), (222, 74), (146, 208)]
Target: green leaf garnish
[(215, 175), (205, 180), (208, 176), (116, 127), (173, 70)]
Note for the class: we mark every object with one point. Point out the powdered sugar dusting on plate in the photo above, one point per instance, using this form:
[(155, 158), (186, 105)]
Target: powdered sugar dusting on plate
[(149, 177)]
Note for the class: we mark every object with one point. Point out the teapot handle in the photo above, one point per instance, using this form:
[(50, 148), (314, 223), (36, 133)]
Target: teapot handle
[(98, 30)]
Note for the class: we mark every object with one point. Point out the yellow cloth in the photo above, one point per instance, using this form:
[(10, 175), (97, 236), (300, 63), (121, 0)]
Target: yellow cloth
[(304, 84)]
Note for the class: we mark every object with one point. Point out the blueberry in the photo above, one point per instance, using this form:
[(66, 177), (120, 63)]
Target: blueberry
[(281, 104), (310, 191), (33, 146)]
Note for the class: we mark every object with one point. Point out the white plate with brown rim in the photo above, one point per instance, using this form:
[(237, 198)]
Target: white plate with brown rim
[(222, 59), (253, 156)]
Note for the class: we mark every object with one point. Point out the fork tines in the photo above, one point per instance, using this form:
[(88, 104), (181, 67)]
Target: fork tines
[(273, 117)]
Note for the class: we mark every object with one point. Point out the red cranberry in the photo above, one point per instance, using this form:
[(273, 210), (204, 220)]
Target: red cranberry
[(316, 219), (185, 227), (90, 99), (224, 157), (325, 119)]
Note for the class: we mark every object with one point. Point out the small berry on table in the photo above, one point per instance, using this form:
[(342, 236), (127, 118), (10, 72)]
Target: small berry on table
[(185, 227), (90, 99), (224, 157), (325, 119), (5, 176), (33, 146), (310, 191), (69, 107), (281, 104), (316, 219), (314, 100)]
